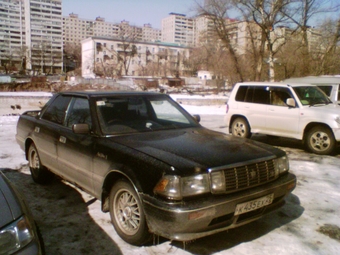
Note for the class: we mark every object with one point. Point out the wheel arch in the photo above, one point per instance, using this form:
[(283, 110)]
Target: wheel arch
[(28, 143), (235, 116), (113, 177), (311, 125)]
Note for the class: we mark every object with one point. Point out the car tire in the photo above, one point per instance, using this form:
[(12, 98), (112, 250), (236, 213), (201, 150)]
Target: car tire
[(240, 128), (320, 140), (39, 173), (127, 214)]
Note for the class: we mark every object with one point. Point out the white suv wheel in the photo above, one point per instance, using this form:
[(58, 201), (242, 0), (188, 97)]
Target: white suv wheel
[(240, 128), (320, 140)]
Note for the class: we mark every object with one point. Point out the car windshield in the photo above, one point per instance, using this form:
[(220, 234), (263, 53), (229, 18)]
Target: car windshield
[(134, 114), (311, 95)]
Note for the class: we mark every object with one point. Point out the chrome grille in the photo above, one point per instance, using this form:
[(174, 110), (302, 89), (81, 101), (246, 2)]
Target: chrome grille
[(251, 175)]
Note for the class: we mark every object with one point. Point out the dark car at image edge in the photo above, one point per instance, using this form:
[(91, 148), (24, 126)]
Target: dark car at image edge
[(153, 166), (18, 231)]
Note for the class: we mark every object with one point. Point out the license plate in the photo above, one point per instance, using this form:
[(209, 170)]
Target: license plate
[(254, 204)]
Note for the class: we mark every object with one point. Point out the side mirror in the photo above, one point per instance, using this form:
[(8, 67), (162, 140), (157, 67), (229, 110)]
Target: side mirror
[(291, 102), (81, 128), (197, 118)]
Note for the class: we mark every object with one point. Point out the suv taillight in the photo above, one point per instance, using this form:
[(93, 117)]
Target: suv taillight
[(227, 108)]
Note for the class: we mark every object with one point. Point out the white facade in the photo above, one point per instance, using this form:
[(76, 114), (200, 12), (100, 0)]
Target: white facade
[(104, 56), (32, 34), (177, 28), (203, 31), (204, 75)]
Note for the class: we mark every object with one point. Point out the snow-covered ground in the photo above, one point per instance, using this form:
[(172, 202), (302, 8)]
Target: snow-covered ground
[(71, 222)]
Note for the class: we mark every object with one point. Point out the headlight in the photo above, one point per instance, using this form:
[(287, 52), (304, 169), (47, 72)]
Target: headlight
[(15, 236), (175, 187), (282, 164)]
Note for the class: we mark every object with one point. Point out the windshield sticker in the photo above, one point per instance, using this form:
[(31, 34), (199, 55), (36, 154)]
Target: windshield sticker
[(100, 103)]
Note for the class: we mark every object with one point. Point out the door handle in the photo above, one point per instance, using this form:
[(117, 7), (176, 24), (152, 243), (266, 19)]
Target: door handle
[(62, 139)]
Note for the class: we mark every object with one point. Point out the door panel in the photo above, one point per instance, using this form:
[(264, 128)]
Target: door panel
[(75, 150)]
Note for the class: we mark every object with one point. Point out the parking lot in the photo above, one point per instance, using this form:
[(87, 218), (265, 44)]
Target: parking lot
[(71, 221)]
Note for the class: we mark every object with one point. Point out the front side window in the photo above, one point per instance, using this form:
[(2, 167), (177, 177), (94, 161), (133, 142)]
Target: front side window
[(279, 96), (79, 113), (56, 111)]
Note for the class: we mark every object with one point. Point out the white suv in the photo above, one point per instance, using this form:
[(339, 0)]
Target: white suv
[(300, 111)]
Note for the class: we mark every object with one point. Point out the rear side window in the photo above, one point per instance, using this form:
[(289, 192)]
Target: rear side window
[(253, 94), (241, 93), (56, 111)]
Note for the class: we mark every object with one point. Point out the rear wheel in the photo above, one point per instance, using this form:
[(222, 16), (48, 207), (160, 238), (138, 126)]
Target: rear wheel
[(240, 128), (320, 140), (127, 214), (39, 173)]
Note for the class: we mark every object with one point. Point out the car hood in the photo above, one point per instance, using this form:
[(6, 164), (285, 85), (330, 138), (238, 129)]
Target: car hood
[(10, 209), (197, 148), (329, 108)]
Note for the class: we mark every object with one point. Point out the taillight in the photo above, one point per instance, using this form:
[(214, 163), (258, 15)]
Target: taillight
[(227, 108)]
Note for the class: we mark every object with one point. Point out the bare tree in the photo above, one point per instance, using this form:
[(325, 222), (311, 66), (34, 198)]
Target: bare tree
[(266, 14), (217, 11), (329, 58), (127, 48), (300, 14), (72, 56)]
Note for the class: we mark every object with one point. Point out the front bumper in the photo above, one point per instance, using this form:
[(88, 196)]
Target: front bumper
[(188, 220)]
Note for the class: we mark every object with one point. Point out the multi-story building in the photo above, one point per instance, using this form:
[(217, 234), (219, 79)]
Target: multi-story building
[(150, 34), (203, 30), (31, 35), (109, 57), (177, 28), (12, 33), (77, 29)]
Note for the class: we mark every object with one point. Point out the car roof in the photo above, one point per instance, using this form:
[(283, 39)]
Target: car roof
[(278, 84), (90, 93), (319, 80)]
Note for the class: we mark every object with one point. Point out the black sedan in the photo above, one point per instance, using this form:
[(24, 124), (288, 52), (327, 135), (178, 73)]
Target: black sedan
[(152, 165)]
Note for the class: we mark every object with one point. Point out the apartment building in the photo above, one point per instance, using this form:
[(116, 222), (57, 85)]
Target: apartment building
[(77, 29), (177, 28), (203, 30), (31, 35), (150, 34), (109, 57), (12, 33)]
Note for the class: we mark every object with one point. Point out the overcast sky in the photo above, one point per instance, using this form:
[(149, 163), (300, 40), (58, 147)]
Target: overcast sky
[(137, 12)]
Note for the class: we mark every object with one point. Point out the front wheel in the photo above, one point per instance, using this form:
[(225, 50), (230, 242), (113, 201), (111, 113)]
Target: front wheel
[(127, 214), (320, 140), (240, 128), (39, 173)]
